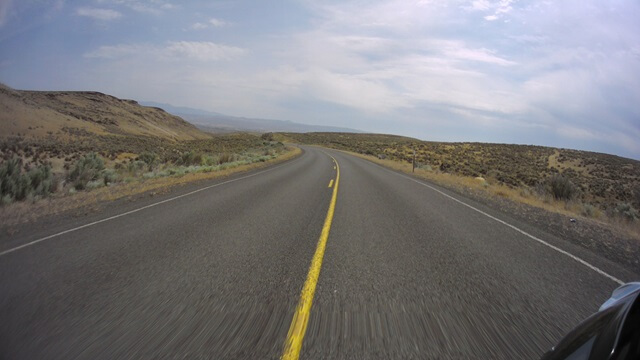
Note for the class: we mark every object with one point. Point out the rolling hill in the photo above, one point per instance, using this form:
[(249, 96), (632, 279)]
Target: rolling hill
[(65, 113)]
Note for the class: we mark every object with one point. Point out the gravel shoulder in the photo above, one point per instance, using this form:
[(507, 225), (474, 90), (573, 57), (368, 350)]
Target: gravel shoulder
[(602, 238)]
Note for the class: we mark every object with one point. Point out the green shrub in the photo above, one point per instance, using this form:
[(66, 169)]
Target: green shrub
[(16, 185), (40, 178), (179, 171), (148, 158), (6, 200), (157, 174), (10, 172), (109, 176), (187, 158), (190, 158), (561, 188), (225, 158), (268, 152), (208, 160), (94, 184), (197, 159), (524, 192), (86, 169), (636, 196), (626, 211), (135, 166), (588, 210)]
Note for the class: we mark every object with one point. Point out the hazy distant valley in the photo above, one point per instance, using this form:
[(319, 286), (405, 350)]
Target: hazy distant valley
[(220, 123)]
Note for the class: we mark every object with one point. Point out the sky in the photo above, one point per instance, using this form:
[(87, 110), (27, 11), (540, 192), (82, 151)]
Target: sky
[(554, 73)]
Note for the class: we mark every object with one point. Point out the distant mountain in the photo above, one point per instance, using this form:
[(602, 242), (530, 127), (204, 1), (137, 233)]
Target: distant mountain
[(43, 113), (225, 123), (179, 109), (220, 123)]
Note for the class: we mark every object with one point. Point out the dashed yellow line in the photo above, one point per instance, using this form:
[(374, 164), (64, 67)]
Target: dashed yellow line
[(298, 327), (331, 183)]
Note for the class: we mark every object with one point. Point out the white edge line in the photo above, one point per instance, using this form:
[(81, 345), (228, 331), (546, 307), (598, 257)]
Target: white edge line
[(583, 262), (134, 211)]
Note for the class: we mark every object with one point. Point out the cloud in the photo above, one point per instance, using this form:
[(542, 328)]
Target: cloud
[(479, 55), (393, 73), (217, 22), (202, 51), (4, 10), (213, 22), (98, 14), (199, 26), (153, 7), (394, 15), (559, 64), (173, 50), (360, 92), (497, 9), (576, 133), (120, 51), (480, 5)]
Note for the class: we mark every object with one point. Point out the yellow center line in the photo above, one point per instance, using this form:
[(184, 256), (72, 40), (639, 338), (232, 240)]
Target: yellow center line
[(331, 183), (298, 327)]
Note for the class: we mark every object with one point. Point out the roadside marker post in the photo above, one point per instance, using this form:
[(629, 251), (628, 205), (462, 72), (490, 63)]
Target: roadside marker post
[(414, 160)]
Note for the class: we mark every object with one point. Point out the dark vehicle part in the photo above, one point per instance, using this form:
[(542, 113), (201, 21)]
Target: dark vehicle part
[(613, 333)]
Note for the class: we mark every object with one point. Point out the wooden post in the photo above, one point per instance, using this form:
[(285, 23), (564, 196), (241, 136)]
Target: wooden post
[(414, 160)]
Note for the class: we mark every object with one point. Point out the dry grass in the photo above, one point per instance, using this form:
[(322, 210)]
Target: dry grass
[(23, 212), (465, 183)]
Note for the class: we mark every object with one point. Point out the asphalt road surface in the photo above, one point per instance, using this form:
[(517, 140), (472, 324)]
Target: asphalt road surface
[(215, 270)]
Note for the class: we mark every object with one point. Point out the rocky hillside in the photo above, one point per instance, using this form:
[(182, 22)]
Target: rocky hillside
[(67, 114)]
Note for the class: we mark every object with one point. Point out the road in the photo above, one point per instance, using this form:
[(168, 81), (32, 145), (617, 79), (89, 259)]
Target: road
[(216, 270)]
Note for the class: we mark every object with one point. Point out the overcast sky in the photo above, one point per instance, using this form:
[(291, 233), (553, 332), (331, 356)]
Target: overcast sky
[(558, 73)]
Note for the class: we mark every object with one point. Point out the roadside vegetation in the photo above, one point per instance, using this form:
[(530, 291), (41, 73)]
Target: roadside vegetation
[(576, 183), (33, 169), (18, 185)]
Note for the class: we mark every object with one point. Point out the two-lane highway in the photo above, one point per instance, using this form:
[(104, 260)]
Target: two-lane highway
[(218, 273)]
